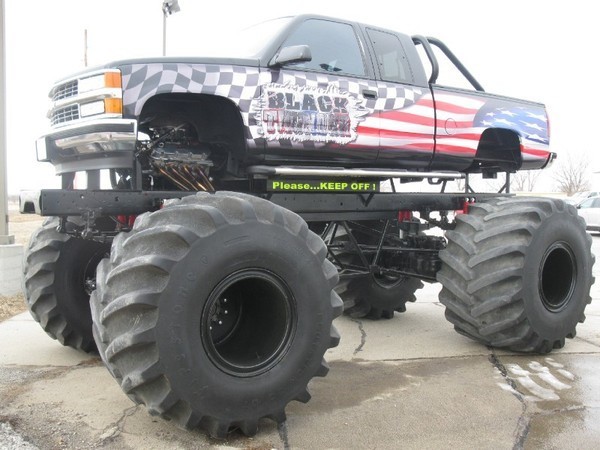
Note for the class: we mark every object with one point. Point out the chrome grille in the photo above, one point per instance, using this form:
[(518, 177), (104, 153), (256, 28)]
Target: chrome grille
[(65, 90), (66, 114)]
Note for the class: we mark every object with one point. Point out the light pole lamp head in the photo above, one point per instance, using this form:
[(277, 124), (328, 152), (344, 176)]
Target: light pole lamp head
[(170, 7)]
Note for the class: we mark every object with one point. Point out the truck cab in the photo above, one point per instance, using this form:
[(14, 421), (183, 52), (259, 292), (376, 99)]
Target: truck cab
[(317, 92)]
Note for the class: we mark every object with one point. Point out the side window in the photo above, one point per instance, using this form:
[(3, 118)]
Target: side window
[(391, 57), (587, 203), (597, 203), (333, 45)]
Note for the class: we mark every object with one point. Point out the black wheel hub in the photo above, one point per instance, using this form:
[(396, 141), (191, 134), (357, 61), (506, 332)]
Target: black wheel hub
[(248, 322), (558, 273)]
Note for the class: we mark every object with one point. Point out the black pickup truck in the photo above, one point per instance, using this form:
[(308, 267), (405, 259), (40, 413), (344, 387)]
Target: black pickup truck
[(234, 207)]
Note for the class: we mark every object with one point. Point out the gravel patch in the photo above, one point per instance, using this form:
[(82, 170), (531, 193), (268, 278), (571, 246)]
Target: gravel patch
[(11, 440), (11, 306)]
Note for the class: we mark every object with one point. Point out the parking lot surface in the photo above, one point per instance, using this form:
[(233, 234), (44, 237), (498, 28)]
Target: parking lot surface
[(408, 382)]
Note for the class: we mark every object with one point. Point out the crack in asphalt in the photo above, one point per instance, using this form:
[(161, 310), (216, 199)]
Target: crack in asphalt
[(430, 358), (587, 341), (524, 422), (522, 431), (363, 336), (116, 428), (563, 410), (493, 358), (283, 434)]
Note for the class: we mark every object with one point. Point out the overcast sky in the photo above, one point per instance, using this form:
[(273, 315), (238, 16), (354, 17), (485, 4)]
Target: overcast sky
[(538, 50)]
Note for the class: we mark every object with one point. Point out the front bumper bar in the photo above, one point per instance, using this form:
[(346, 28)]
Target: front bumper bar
[(90, 145)]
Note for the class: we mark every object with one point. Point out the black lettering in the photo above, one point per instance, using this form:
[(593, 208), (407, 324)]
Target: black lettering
[(276, 100), (325, 104), (340, 104), (291, 102), (308, 103)]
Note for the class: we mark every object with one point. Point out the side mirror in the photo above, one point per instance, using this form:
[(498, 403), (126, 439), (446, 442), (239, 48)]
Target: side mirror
[(291, 55)]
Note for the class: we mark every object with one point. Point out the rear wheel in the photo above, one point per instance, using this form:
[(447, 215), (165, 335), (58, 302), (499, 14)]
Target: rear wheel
[(59, 274), (517, 273), (378, 296), (216, 311), (372, 296)]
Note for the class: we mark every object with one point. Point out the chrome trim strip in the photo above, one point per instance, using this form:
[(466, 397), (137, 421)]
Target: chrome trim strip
[(99, 137), (91, 122), (341, 172)]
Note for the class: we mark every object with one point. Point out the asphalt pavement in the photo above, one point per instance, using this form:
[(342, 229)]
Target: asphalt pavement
[(409, 382)]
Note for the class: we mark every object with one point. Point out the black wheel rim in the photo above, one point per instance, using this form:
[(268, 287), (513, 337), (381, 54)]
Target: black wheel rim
[(88, 274), (387, 281), (558, 274), (248, 322)]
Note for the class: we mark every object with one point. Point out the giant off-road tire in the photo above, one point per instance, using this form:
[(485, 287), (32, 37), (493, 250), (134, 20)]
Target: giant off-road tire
[(57, 267), (377, 297), (216, 311), (373, 296), (517, 273)]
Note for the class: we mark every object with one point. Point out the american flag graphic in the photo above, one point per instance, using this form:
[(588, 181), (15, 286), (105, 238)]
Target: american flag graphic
[(530, 122), (408, 128), (457, 121)]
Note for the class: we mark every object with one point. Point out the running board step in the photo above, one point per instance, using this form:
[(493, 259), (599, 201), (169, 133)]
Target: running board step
[(267, 171)]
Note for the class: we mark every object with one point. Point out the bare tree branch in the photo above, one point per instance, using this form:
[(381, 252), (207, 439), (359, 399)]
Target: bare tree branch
[(572, 176), (525, 180)]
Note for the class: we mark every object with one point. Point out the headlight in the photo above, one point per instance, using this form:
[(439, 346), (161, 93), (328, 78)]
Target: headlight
[(108, 106), (103, 80), (91, 109), (91, 83)]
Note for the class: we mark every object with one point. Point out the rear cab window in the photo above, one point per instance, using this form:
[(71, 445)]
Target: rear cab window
[(391, 57)]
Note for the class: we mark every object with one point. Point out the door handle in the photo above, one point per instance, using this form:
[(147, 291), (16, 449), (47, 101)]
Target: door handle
[(368, 93)]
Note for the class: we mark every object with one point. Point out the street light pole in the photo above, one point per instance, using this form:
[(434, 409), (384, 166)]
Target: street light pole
[(164, 33), (168, 7)]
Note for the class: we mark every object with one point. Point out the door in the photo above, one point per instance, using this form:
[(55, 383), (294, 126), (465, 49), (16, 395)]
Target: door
[(315, 112), (405, 105)]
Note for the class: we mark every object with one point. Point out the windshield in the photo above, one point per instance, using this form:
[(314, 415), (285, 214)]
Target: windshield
[(249, 42)]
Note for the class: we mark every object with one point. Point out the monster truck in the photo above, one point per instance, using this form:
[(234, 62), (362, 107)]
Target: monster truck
[(231, 202)]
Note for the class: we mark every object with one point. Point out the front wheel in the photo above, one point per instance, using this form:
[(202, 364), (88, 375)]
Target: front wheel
[(517, 273), (59, 273), (216, 311)]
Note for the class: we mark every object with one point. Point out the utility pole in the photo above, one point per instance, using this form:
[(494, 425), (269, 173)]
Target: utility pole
[(85, 48), (11, 254), (5, 239)]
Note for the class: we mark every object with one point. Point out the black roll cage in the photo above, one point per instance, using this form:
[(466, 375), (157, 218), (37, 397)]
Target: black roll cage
[(427, 42)]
